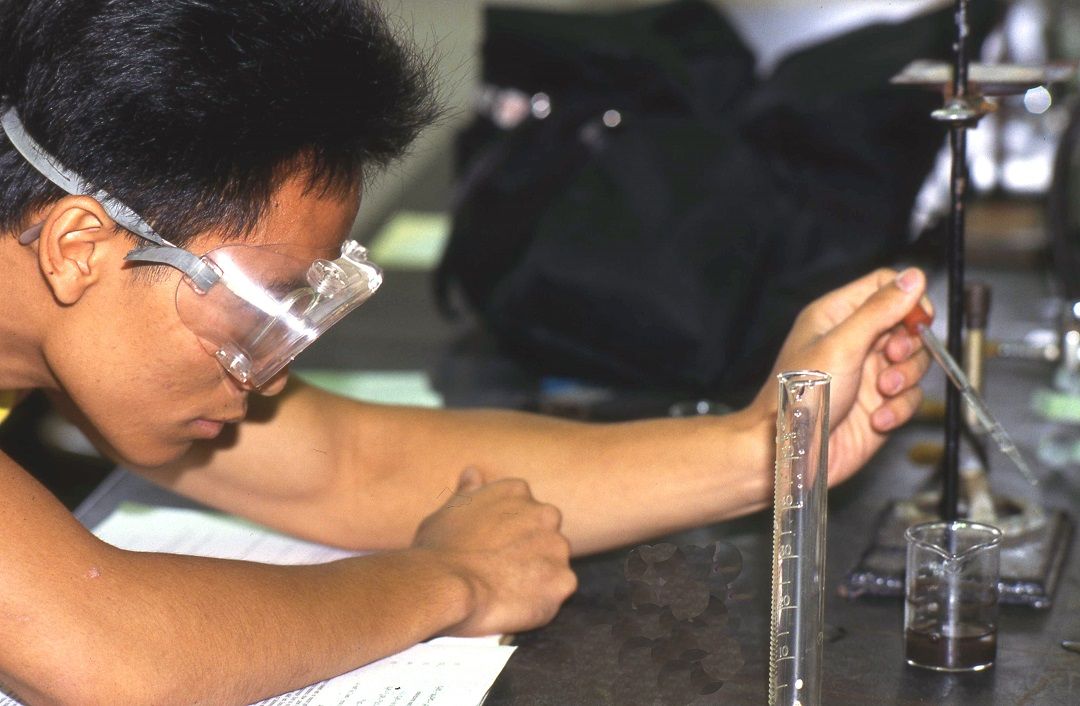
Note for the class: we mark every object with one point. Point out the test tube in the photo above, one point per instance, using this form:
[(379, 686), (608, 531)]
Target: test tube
[(801, 485)]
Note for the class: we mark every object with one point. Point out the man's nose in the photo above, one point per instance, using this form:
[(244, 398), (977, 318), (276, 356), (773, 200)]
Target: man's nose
[(275, 385)]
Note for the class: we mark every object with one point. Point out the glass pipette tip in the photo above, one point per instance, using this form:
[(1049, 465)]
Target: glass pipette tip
[(917, 322)]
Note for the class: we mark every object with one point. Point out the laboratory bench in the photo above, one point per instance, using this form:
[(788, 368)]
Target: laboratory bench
[(593, 652), (685, 620)]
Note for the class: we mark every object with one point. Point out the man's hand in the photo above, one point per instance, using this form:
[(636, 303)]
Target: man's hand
[(508, 549), (853, 333)]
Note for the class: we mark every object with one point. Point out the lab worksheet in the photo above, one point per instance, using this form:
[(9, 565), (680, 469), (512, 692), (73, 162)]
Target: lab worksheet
[(441, 672)]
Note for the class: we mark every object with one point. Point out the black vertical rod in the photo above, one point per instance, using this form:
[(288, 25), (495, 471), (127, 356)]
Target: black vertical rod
[(955, 266)]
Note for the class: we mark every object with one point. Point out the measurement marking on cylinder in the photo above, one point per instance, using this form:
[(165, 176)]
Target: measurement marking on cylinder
[(798, 522)]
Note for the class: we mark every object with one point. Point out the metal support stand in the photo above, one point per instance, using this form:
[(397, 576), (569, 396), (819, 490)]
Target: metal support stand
[(1036, 539), (959, 114)]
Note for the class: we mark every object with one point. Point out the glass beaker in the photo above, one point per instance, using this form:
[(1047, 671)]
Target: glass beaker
[(951, 606)]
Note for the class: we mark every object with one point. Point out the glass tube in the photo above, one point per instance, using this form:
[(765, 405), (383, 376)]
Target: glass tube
[(798, 596)]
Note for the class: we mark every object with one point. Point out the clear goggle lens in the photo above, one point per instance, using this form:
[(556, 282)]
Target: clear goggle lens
[(271, 302)]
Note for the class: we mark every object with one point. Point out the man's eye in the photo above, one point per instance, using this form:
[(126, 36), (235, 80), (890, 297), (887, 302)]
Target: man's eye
[(281, 289)]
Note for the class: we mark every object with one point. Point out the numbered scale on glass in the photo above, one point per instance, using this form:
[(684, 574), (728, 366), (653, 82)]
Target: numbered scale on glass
[(798, 569)]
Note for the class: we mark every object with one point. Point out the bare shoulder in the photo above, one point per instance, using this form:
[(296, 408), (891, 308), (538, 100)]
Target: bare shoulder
[(40, 537), (24, 501), (47, 560)]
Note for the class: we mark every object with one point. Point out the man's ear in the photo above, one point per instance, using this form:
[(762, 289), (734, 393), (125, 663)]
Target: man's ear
[(70, 252)]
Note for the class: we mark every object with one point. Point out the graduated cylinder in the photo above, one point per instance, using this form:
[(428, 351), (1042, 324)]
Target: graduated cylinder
[(798, 597)]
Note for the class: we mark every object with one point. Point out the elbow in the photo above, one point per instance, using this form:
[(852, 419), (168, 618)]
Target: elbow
[(64, 688), (74, 690), (63, 674)]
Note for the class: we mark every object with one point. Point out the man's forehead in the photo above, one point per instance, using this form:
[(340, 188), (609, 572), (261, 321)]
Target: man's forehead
[(315, 219), (316, 212)]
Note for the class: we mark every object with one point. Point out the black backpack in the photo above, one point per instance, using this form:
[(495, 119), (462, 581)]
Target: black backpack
[(665, 222)]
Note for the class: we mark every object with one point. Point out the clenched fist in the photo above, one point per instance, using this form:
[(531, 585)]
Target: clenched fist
[(507, 547)]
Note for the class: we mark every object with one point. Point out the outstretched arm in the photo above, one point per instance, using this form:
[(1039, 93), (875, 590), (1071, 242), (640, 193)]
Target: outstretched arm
[(364, 475)]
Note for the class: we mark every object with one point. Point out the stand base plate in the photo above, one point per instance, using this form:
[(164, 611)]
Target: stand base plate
[(1031, 558)]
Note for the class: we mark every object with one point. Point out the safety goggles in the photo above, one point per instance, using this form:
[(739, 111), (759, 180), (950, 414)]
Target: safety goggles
[(253, 307)]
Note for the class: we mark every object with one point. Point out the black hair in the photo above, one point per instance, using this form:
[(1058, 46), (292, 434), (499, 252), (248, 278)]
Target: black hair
[(192, 112)]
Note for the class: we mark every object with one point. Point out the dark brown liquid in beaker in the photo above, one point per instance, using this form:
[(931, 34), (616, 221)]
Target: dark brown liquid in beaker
[(936, 651)]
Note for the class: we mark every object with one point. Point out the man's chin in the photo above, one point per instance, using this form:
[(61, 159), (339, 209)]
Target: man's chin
[(149, 458)]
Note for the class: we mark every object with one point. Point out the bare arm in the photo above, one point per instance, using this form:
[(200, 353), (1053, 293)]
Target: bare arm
[(85, 623), (489, 559), (364, 475), (614, 483)]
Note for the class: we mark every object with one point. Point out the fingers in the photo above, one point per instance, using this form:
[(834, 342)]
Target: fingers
[(470, 479), (885, 308), (912, 280), (510, 550), (897, 378), (512, 494), (858, 291), (550, 517), (900, 346), (896, 410)]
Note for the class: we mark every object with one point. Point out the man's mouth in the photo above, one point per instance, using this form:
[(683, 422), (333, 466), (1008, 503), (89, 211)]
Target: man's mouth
[(211, 428)]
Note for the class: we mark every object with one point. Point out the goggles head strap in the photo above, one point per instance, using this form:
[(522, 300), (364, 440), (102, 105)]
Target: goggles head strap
[(202, 274), (163, 252), (69, 181)]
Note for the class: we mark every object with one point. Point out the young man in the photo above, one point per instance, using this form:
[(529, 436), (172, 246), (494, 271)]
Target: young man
[(177, 178)]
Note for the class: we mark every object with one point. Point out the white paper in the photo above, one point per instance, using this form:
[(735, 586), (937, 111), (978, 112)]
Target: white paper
[(442, 672), (142, 528), (425, 675)]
